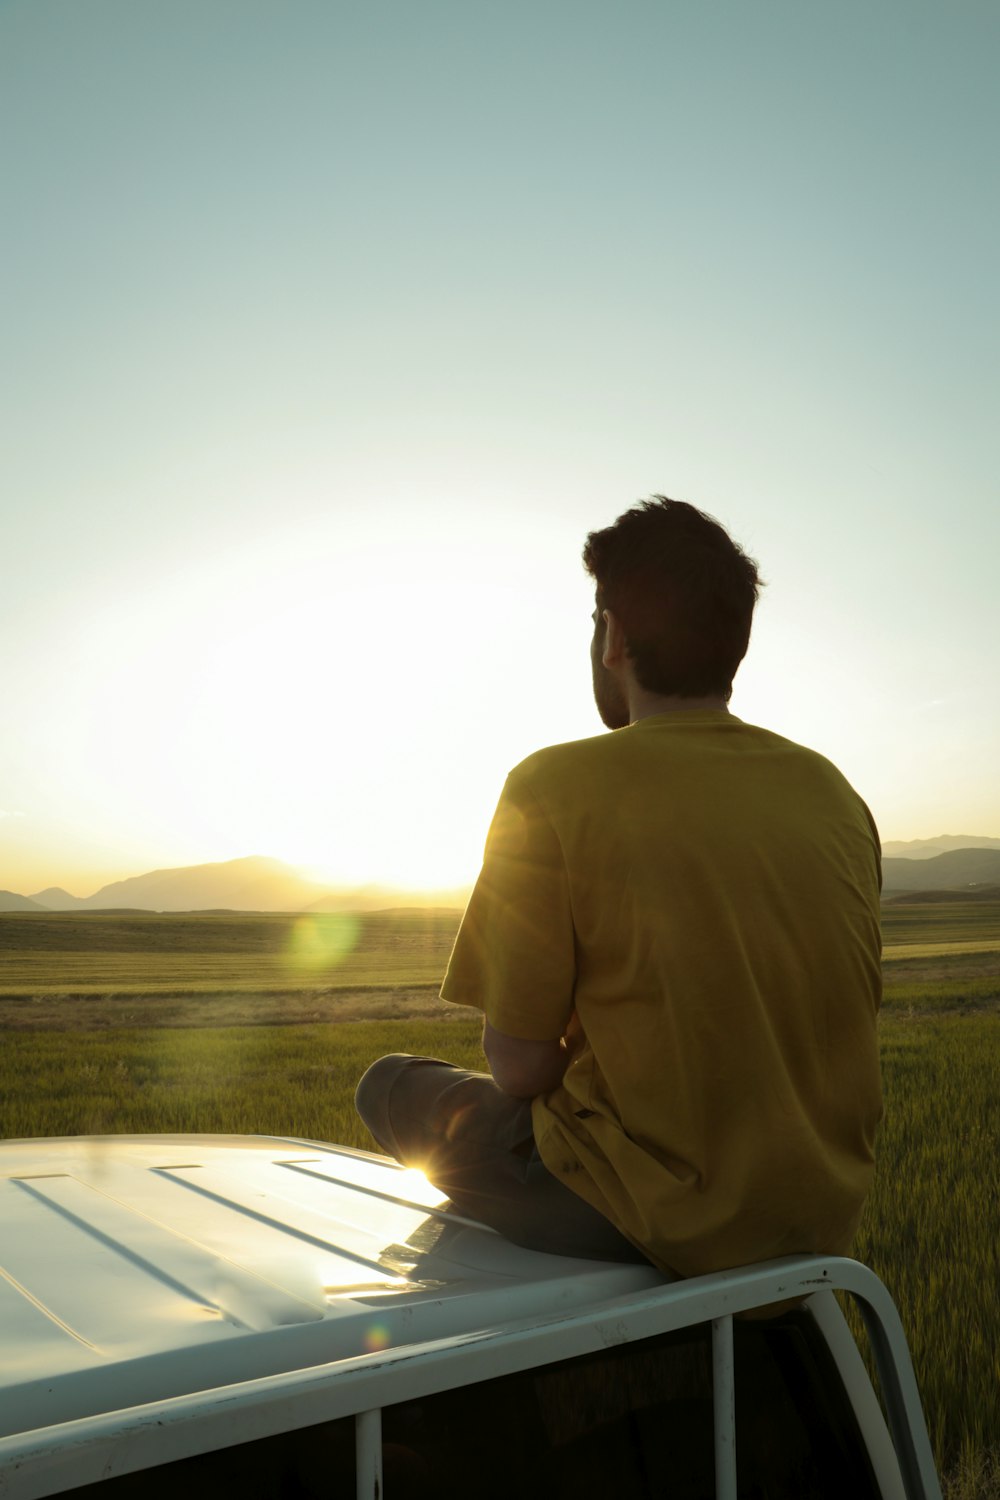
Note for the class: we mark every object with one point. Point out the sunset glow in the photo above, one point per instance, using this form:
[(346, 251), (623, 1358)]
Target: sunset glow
[(311, 415)]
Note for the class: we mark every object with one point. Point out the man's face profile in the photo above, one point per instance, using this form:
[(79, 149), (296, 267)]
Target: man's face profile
[(612, 704)]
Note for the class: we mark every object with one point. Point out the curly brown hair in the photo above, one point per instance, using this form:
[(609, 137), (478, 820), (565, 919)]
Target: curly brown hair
[(684, 592)]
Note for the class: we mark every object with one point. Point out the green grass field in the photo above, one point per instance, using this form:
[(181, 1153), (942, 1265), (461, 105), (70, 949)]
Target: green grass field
[(100, 953), (940, 925), (72, 1063), (56, 954)]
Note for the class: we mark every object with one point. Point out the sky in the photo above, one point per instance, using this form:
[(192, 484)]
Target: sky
[(328, 331)]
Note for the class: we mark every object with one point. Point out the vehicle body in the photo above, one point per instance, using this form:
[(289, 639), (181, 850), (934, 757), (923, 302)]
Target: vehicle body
[(216, 1314)]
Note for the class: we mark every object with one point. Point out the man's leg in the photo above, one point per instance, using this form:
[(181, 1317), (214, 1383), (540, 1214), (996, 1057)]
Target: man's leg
[(474, 1142)]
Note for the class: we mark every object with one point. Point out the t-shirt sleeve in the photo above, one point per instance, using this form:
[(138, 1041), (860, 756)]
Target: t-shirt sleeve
[(514, 955)]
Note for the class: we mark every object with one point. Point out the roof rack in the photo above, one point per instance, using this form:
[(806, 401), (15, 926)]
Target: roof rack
[(48, 1460)]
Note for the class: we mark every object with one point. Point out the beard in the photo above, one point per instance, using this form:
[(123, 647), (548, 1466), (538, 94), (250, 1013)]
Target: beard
[(612, 704)]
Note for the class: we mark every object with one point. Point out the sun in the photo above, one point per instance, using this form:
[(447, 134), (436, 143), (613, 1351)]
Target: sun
[(395, 869), (351, 707)]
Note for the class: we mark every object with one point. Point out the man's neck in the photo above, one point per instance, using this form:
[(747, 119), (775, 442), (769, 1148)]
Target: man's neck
[(643, 705)]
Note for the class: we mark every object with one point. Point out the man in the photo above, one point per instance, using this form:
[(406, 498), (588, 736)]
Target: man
[(675, 944)]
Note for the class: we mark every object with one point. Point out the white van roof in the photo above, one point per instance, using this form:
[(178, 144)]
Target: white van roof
[(134, 1268)]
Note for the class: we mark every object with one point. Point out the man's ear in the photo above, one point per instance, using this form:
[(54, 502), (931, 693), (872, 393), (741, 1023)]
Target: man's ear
[(615, 650)]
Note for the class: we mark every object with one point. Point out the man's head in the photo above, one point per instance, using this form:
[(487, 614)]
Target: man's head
[(680, 592)]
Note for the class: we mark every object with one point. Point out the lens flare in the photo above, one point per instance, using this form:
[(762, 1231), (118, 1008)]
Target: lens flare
[(376, 1338), (323, 940)]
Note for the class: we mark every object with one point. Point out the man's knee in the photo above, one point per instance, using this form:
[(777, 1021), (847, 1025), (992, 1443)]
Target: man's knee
[(371, 1098)]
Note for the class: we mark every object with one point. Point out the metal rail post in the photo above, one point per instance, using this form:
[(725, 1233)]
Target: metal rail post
[(901, 1397), (368, 1454), (724, 1407)]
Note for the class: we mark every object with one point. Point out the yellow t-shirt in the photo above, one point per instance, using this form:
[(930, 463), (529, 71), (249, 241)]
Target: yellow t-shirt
[(705, 895)]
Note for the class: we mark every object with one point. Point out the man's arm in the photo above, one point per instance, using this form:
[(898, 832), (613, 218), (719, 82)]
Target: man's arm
[(514, 956), (524, 1068)]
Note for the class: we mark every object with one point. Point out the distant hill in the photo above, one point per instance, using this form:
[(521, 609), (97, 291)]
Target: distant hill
[(956, 870), (259, 884), (11, 901), (942, 844), (56, 899), (251, 884), (928, 898)]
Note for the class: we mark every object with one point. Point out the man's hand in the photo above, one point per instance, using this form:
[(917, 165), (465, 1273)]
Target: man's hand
[(524, 1068)]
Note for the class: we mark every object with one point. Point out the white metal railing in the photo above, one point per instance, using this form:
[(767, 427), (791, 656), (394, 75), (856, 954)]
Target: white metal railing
[(50, 1460), (724, 1407)]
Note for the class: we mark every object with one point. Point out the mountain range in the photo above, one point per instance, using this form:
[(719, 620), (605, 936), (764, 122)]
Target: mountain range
[(251, 884), (957, 869), (942, 844), (951, 862)]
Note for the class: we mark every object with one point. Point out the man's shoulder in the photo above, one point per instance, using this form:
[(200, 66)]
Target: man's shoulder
[(705, 749), (610, 748), (780, 744), (803, 755), (552, 763)]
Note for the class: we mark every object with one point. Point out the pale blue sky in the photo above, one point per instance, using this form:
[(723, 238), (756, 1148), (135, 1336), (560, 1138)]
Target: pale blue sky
[(329, 330)]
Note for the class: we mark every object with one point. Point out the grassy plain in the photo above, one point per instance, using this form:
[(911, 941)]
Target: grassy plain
[(945, 927), (140, 954), (217, 1022)]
